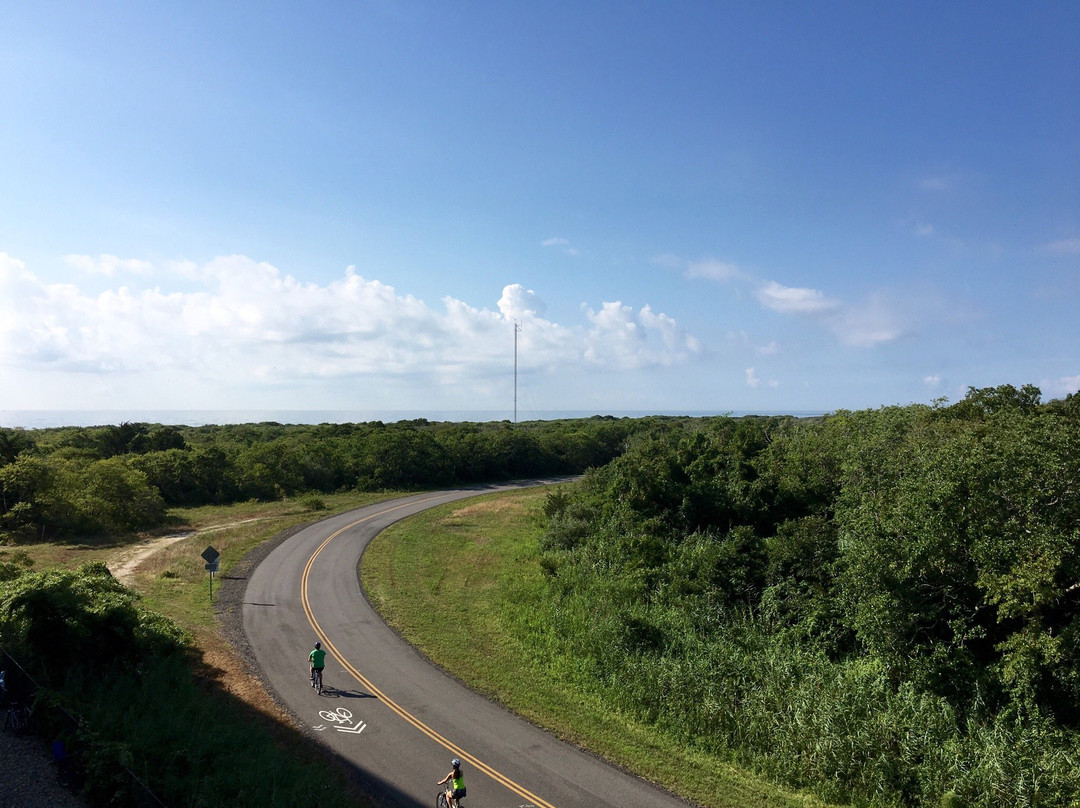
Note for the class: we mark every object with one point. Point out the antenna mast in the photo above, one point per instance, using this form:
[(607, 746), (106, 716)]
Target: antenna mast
[(517, 330)]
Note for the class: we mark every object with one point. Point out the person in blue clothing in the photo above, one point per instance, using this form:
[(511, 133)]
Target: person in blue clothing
[(317, 658)]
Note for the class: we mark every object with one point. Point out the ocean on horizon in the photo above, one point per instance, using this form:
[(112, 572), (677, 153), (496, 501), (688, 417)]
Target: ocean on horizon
[(46, 419)]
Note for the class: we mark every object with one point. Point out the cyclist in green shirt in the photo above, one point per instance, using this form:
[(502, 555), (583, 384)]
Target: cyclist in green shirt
[(457, 782), (317, 658)]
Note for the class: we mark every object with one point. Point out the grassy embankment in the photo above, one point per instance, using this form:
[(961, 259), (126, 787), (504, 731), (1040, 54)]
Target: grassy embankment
[(237, 736), (463, 583)]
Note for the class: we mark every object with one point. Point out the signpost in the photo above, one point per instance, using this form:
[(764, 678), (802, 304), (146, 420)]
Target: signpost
[(211, 557)]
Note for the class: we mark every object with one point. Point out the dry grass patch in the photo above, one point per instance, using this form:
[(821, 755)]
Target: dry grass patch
[(490, 506)]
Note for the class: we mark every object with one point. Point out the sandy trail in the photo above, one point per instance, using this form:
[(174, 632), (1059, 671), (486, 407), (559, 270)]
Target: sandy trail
[(125, 563)]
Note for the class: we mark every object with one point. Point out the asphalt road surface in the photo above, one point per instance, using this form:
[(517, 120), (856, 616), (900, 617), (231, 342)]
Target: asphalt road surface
[(394, 717)]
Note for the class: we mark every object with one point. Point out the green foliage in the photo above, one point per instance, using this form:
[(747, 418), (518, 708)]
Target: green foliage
[(66, 496), (19, 563), (313, 502), (61, 483), (129, 675), (82, 622), (14, 442), (882, 606)]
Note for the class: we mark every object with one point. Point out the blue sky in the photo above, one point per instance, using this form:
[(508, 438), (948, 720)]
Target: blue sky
[(686, 206)]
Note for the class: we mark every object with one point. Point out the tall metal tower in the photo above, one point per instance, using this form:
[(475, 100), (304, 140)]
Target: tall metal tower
[(517, 330)]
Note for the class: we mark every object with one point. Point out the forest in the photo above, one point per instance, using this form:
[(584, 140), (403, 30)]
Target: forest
[(76, 482), (882, 606)]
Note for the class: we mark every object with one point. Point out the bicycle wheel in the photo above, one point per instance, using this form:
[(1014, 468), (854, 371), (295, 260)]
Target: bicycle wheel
[(16, 718)]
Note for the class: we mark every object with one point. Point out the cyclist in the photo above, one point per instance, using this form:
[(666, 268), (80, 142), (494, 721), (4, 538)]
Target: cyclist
[(317, 658), (457, 781)]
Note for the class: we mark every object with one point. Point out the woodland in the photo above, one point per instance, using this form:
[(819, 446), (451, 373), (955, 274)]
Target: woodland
[(881, 606), (68, 482)]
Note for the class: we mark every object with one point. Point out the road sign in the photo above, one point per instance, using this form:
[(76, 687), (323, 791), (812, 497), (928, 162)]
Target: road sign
[(211, 556)]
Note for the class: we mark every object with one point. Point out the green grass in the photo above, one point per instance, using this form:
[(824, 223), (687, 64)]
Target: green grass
[(463, 583)]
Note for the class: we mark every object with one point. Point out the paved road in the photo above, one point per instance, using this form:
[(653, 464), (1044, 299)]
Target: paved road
[(388, 712)]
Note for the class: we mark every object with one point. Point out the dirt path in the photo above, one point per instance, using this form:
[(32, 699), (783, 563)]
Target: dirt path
[(124, 564)]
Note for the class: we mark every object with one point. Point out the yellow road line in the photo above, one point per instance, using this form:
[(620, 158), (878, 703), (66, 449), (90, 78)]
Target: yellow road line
[(402, 712)]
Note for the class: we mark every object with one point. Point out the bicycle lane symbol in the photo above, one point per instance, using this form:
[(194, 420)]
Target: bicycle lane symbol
[(340, 719)]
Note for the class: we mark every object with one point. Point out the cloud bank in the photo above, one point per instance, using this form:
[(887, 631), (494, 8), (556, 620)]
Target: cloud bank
[(240, 323)]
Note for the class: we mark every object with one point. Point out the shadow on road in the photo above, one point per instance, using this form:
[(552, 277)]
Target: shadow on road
[(332, 693)]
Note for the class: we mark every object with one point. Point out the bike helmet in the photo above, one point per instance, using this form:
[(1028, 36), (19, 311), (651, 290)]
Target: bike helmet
[(455, 763), (318, 644)]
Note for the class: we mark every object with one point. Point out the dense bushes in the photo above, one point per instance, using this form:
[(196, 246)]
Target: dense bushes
[(79, 624), (883, 606), (143, 717), (119, 479)]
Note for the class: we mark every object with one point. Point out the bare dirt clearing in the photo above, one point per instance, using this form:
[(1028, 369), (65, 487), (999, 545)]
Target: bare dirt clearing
[(125, 563)]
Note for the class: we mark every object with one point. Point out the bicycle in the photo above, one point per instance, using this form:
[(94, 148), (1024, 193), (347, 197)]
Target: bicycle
[(444, 798), (16, 714), (316, 680), (16, 717)]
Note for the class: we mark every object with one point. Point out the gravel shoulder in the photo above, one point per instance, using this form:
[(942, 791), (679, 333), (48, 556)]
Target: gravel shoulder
[(28, 776), (229, 608)]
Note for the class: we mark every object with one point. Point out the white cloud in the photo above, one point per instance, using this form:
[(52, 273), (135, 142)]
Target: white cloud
[(247, 325), (936, 183), (868, 325), (924, 230), (1068, 246), (933, 380), (109, 265), (561, 243), (742, 339), (621, 338), (712, 270), (1059, 387), (864, 326), (517, 302), (668, 261), (709, 268), (794, 300), (754, 381)]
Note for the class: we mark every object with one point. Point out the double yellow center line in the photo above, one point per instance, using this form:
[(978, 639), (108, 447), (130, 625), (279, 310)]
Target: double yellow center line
[(370, 686)]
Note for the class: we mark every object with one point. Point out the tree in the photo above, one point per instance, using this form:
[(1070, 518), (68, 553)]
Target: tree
[(13, 442), (110, 497)]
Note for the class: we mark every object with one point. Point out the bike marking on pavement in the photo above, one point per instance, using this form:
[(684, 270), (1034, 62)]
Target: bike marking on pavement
[(409, 718), (343, 717)]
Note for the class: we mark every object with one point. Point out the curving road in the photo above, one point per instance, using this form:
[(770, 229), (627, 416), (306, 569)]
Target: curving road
[(386, 710)]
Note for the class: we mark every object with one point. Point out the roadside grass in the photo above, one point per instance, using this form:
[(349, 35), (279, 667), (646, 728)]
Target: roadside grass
[(213, 718), (49, 555), (463, 583)]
